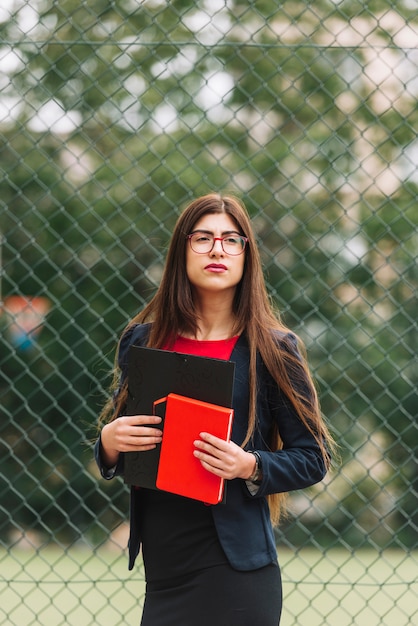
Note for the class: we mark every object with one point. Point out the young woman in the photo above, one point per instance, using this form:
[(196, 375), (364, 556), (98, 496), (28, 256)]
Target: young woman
[(217, 565)]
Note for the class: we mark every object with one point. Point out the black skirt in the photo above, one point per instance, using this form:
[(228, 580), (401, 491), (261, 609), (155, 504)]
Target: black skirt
[(216, 596)]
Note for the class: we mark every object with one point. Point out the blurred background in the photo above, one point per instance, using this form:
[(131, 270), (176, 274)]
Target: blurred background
[(114, 114)]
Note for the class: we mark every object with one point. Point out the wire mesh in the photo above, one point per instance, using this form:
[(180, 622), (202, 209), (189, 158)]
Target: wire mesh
[(113, 115)]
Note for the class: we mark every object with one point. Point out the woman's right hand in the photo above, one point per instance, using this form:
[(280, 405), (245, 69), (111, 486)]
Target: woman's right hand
[(129, 433)]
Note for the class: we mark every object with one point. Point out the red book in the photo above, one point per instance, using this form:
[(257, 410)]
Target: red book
[(179, 471)]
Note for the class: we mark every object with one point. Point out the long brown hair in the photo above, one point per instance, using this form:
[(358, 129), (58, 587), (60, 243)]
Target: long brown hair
[(172, 312)]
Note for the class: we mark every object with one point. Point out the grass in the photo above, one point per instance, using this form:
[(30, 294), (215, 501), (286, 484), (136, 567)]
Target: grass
[(82, 587), (342, 588)]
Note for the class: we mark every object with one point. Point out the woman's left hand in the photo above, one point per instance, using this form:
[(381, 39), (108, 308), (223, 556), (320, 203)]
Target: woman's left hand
[(225, 459)]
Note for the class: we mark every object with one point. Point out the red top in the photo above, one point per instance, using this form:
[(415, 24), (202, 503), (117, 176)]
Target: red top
[(219, 349)]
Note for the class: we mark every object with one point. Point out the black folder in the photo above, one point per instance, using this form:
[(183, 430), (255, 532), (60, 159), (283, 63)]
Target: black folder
[(153, 374)]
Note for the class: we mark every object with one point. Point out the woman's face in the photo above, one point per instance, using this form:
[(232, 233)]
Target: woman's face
[(215, 271)]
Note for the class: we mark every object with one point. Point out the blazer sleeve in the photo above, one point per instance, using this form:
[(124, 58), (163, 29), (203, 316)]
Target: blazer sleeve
[(107, 472), (300, 462), (136, 335)]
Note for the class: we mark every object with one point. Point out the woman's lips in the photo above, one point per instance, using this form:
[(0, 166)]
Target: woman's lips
[(216, 267)]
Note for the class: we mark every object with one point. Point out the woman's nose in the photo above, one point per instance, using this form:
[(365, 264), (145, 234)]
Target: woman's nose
[(217, 246)]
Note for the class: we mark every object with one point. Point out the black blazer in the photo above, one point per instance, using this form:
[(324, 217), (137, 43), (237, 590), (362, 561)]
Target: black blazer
[(243, 522)]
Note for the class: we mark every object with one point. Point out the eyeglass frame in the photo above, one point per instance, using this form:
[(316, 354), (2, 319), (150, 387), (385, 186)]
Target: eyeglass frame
[(215, 239)]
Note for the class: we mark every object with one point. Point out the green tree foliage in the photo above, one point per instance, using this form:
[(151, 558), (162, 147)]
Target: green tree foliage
[(112, 116)]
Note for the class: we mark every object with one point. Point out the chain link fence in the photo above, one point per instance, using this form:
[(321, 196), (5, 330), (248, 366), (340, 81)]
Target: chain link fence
[(113, 115)]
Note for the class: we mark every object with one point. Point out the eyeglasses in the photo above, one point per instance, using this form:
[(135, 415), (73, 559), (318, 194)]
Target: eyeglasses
[(202, 243)]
